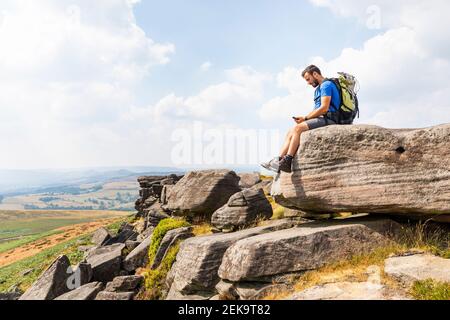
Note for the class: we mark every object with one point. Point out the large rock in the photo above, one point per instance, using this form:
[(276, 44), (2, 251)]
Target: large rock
[(200, 193), (111, 296), (248, 180), (169, 240), (124, 236), (418, 268), (199, 258), (145, 234), (369, 169), (82, 274), (87, 292), (349, 291), (100, 237), (9, 296), (124, 284), (138, 258), (105, 262), (247, 290), (243, 209), (154, 215), (52, 283), (126, 232), (148, 181), (306, 247)]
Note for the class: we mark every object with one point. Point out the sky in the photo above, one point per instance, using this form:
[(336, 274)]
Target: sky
[(164, 83)]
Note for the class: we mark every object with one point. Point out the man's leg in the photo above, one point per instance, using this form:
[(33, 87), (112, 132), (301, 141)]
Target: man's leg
[(286, 162), (274, 164), (287, 143), (295, 141)]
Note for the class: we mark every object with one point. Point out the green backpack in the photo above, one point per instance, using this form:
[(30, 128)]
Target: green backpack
[(349, 108)]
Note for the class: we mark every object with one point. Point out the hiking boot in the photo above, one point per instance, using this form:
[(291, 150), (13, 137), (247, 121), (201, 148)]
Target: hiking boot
[(272, 165), (286, 165)]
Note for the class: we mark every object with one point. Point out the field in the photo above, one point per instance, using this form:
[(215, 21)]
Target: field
[(118, 195), (24, 270), (24, 233)]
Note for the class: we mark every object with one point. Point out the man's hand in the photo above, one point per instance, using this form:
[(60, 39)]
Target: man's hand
[(299, 120)]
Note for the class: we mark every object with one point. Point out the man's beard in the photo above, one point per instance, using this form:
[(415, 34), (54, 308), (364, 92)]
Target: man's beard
[(315, 84)]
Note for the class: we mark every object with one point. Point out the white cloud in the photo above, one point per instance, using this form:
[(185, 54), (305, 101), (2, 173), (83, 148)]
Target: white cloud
[(206, 66), (216, 103), (403, 71), (68, 70)]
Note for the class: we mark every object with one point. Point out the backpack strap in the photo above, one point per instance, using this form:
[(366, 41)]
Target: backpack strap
[(338, 86)]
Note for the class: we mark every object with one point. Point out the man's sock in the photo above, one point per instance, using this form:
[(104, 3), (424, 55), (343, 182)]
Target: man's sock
[(289, 157)]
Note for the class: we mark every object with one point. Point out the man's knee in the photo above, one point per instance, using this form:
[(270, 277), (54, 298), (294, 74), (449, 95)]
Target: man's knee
[(302, 127)]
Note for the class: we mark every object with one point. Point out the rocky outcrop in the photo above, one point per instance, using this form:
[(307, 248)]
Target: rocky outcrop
[(368, 169), (124, 284), (247, 290), (151, 190), (249, 180), (306, 247), (126, 232), (52, 283), (409, 269), (138, 258), (242, 209), (105, 262), (199, 259), (349, 291), (87, 292), (112, 296), (100, 237), (201, 193)]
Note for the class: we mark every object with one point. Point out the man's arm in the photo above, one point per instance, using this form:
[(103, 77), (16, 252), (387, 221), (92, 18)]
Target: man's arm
[(325, 106)]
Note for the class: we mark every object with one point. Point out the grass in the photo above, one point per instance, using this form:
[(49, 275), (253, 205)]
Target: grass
[(25, 228), (9, 245), (16, 224), (12, 274), (430, 290), (155, 286), (202, 229), (160, 231)]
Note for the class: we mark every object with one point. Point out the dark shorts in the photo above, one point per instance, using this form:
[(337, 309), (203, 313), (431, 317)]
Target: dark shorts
[(319, 123)]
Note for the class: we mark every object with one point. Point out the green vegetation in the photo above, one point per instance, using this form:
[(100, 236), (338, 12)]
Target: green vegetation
[(155, 279), (9, 245), (48, 199), (117, 195), (160, 231), (427, 236), (13, 229), (430, 290), (13, 273), (22, 227)]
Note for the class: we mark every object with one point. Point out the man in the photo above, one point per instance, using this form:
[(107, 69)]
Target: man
[(327, 102)]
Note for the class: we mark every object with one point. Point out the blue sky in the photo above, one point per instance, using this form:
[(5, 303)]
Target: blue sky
[(131, 83), (266, 34)]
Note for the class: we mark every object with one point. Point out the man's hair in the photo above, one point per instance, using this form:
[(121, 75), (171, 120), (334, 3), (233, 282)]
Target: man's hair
[(311, 69)]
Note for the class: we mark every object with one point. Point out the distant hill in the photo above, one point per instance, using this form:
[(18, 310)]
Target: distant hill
[(17, 182)]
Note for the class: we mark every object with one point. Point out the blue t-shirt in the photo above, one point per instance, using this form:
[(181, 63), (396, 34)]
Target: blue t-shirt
[(327, 89)]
